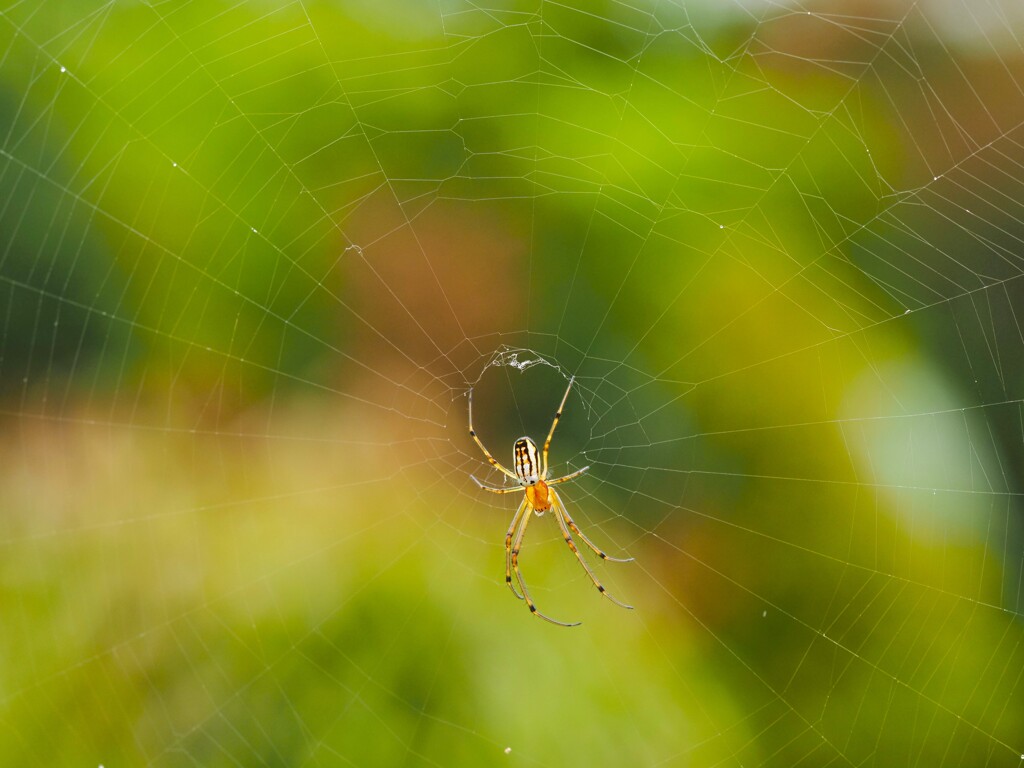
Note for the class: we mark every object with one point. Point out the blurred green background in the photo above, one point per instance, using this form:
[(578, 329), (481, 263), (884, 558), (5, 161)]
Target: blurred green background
[(254, 256)]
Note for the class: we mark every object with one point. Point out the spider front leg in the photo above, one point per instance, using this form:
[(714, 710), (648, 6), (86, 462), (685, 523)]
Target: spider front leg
[(562, 517), (575, 529), (519, 576), (523, 506), (511, 529)]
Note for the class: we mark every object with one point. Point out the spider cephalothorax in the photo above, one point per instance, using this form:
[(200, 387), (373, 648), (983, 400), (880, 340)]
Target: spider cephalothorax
[(531, 477)]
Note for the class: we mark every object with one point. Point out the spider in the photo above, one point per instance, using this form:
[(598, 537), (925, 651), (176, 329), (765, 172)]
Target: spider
[(538, 497)]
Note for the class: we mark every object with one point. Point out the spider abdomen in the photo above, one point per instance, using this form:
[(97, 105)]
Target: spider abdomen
[(539, 496), (525, 461)]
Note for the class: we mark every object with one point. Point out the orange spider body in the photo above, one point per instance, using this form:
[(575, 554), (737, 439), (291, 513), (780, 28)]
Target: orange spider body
[(531, 474), (539, 496)]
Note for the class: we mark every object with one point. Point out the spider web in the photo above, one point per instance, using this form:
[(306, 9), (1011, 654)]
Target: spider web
[(255, 256)]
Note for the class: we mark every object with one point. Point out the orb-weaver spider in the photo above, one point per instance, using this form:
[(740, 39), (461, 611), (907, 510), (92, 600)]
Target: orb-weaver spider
[(538, 497)]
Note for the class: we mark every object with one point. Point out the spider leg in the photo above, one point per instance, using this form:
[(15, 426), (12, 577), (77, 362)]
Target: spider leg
[(511, 528), (483, 487), (551, 432), (472, 433), (560, 514), (575, 529), (523, 506), (519, 575), (567, 478)]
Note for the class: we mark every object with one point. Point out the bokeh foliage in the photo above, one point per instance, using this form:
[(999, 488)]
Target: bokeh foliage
[(253, 256)]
